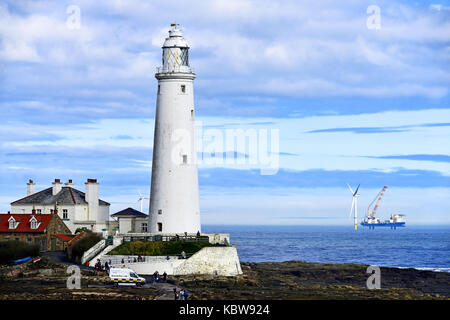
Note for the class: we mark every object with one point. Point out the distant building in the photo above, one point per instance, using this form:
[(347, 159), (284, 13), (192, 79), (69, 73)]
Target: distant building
[(46, 230), (76, 208), (131, 221)]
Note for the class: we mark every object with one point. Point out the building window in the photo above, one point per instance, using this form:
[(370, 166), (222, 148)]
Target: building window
[(38, 211), (65, 214), (183, 88), (17, 239), (29, 239), (12, 223), (159, 211), (59, 227), (51, 211), (159, 227), (144, 227), (33, 224), (184, 158)]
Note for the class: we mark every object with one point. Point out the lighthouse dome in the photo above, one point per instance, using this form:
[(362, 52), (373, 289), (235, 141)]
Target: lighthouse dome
[(175, 39), (175, 56)]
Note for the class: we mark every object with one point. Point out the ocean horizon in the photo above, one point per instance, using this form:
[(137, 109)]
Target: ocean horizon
[(423, 247)]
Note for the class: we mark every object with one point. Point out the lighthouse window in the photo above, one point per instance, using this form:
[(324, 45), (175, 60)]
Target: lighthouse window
[(184, 56), (159, 211), (184, 158), (159, 89), (192, 113), (159, 226), (183, 88)]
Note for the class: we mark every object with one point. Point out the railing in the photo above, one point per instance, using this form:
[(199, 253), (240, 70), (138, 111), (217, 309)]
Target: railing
[(123, 260), (183, 69), (92, 252), (166, 238)]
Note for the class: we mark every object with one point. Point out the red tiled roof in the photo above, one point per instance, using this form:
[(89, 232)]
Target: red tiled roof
[(75, 238), (64, 237), (24, 222)]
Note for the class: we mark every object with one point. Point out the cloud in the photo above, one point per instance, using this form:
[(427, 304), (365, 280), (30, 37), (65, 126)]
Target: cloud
[(279, 52), (366, 130), (419, 157)]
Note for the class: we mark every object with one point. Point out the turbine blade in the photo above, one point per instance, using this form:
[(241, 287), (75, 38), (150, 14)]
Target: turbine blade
[(357, 189), (351, 190)]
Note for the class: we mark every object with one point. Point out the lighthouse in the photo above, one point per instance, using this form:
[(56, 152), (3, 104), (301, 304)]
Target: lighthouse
[(174, 199)]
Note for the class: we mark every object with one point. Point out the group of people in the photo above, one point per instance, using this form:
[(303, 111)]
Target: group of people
[(99, 267), (180, 295), (157, 277)]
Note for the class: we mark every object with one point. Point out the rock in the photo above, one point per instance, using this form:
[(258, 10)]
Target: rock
[(46, 272)]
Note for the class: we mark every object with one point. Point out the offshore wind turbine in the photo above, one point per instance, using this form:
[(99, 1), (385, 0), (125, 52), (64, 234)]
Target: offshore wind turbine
[(355, 195)]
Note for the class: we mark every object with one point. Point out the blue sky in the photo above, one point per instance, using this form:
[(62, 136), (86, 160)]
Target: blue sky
[(351, 104)]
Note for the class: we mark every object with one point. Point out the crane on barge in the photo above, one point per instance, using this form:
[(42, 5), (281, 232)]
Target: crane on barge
[(396, 220)]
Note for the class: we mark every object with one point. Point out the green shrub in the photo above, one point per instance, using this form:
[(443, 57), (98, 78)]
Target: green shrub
[(84, 243), (14, 250), (158, 248)]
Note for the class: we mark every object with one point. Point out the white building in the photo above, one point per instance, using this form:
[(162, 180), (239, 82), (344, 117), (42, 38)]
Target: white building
[(77, 209), (131, 221), (174, 198)]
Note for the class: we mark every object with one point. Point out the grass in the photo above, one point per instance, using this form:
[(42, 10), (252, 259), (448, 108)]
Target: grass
[(158, 248)]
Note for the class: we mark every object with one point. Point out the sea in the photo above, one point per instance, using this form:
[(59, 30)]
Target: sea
[(419, 247)]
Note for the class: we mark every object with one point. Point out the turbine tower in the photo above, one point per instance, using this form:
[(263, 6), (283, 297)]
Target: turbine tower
[(355, 195), (174, 199), (141, 199)]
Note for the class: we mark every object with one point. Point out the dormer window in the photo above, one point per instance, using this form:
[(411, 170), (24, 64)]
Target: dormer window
[(12, 223), (34, 224)]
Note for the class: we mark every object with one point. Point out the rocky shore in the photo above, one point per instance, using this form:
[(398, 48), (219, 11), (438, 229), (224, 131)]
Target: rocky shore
[(303, 280), (46, 280)]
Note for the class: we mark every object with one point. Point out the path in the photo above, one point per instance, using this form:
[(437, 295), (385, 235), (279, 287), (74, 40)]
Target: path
[(165, 287)]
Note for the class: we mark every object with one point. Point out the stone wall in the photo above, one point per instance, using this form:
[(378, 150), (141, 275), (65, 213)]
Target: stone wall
[(220, 261)]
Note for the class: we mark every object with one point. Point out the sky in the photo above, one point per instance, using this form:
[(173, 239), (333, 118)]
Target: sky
[(335, 92)]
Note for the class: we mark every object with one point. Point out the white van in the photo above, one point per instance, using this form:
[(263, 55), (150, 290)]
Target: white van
[(125, 276)]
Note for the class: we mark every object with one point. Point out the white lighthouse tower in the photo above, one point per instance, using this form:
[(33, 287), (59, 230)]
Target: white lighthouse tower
[(174, 200)]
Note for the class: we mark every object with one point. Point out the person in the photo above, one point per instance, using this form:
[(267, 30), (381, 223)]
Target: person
[(164, 276), (139, 258), (167, 258), (134, 260), (156, 276), (175, 293), (186, 294), (123, 261), (106, 266), (181, 294), (198, 233), (183, 255)]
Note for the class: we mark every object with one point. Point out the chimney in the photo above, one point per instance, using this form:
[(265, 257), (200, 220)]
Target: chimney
[(69, 183), (56, 186), (91, 197), (30, 187)]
